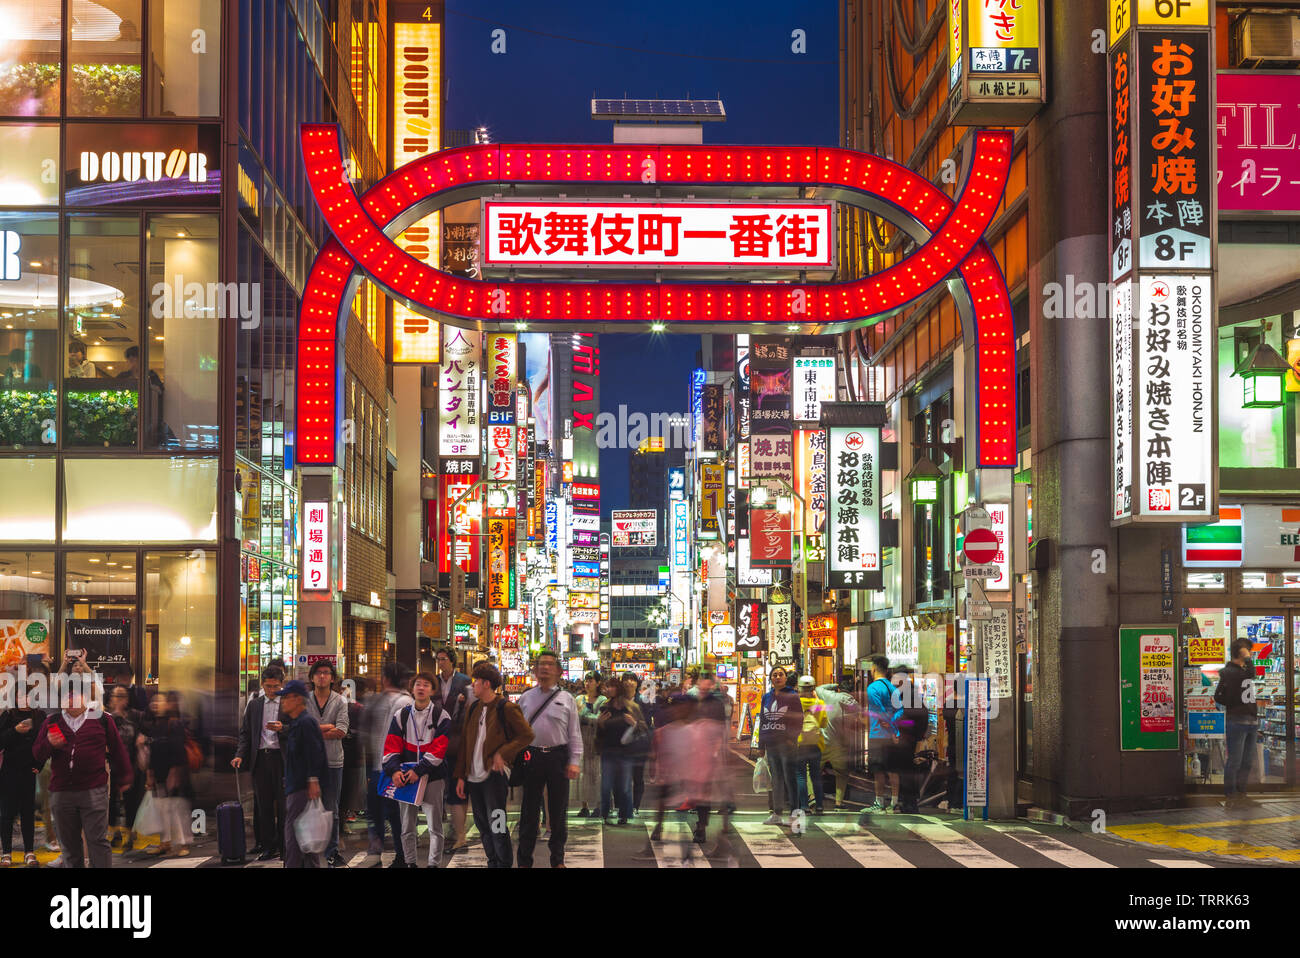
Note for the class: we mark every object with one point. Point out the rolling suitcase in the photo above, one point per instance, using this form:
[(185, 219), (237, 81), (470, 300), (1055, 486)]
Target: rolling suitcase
[(230, 829)]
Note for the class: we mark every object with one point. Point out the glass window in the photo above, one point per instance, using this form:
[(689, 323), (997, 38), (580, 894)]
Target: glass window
[(188, 305), (26, 605), (102, 319), (1206, 580), (180, 621), (29, 175), (1257, 437), (99, 585), (1270, 580), (104, 55), (185, 58), (29, 57), (140, 500), (27, 506), (29, 333)]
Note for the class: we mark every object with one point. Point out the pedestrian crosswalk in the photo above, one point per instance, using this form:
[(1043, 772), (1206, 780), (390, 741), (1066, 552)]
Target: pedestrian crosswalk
[(831, 841)]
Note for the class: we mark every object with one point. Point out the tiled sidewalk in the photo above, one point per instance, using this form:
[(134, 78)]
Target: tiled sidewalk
[(1268, 833)]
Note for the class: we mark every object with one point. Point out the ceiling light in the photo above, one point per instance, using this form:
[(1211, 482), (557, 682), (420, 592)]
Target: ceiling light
[(35, 264)]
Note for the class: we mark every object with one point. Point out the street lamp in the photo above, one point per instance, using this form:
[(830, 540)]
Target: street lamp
[(1263, 375), (923, 481)]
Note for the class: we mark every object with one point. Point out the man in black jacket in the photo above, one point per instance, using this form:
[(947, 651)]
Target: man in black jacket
[(1236, 693), (259, 746), (305, 767)]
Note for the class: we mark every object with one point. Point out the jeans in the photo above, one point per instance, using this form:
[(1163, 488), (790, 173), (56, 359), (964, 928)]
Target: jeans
[(330, 786), (433, 795), (616, 778), (82, 813), (547, 771), (786, 789), (488, 800), (1240, 744), (382, 810), (808, 763)]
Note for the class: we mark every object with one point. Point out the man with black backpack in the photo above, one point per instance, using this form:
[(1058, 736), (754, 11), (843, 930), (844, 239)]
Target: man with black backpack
[(1236, 693), (552, 758)]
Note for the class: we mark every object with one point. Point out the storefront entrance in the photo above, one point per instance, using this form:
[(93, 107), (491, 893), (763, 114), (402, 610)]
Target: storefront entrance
[(1273, 634)]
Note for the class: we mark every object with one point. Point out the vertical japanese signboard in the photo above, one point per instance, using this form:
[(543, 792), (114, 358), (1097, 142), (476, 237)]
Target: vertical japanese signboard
[(995, 61), (712, 438), (502, 363), (458, 394), (1258, 121), (750, 634), (811, 482), (770, 531), (1147, 689), (416, 130), (681, 522), (853, 549), (780, 632), (500, 549), (1162, 215), (711, 500), (451, 488), (814, 384), (770, 385), (316, 546)]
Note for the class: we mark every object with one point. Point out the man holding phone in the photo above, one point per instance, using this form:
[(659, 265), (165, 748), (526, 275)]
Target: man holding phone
[(265, 762)]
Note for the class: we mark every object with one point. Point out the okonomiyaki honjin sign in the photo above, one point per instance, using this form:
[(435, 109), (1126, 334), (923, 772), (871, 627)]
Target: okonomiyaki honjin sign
[(853, 549), (780, 233)]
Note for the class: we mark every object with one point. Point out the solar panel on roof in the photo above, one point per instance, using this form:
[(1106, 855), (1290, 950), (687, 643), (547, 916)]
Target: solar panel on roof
[(602, 109)]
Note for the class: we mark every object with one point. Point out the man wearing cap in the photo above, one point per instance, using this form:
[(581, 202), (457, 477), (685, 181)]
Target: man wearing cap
[(305, 765), (808, 753)]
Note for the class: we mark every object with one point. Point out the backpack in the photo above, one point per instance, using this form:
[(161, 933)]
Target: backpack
[(813, 733), (914, 723)]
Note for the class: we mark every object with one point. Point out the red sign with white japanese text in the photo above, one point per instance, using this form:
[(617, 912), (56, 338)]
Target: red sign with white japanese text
[(451, 488), (557, 233), (770, 542)]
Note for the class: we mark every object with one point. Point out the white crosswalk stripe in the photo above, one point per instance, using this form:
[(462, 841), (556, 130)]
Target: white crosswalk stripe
[(770, 847), (193, 861), (863, 847), (677, 850), (1049, 847), (584, 849), (957, 846), (1179, 863)]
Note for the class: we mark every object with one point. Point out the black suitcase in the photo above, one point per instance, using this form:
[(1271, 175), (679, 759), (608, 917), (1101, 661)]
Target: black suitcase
[(230, 830)]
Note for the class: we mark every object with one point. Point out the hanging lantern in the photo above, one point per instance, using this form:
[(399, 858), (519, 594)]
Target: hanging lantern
[(924, 480), (1263, 377)]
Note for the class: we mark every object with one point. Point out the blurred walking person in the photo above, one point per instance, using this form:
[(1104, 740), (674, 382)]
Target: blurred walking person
[(420, 733), (495, 731), (259, 747), (622, 736), (123, 804), (843, 723), (18, 771), (169, 773), (305, 767), (808, 755), (589, 702), (711, 783), (556, 758), (375, 720)]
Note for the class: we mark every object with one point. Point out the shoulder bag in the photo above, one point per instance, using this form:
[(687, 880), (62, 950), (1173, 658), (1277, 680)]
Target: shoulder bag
[(525, 757)]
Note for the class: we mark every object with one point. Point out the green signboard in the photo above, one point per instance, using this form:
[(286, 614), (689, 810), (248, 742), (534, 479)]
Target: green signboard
[(1148, 689)]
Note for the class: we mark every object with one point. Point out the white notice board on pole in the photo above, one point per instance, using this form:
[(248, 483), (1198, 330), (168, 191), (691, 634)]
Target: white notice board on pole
[(977, 747)]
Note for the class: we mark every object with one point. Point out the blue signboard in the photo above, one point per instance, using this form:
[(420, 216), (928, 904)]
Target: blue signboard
[(1205, 724), (590, 570)]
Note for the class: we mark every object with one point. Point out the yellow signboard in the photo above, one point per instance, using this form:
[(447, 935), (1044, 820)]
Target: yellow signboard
[(417, 131), (1002, 24), (1155, 13)]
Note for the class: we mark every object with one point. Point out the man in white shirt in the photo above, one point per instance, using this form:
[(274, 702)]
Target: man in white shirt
[(259, 746), (556, 757)]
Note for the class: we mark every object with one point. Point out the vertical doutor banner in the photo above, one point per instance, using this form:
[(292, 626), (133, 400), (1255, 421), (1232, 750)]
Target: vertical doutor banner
[(1163, 330)]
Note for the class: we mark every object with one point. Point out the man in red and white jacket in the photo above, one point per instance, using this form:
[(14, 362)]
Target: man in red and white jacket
[(420, 733), (76, 745)]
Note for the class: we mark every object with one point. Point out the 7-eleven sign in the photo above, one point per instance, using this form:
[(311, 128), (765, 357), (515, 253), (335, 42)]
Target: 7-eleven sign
[(1217, 545)]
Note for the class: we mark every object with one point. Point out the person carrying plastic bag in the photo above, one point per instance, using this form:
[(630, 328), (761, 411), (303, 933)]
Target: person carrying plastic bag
[(305, 767)]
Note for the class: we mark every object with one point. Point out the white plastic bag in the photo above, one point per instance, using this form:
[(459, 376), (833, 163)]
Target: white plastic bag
[(312, 828), (762, 776), (148, 819)]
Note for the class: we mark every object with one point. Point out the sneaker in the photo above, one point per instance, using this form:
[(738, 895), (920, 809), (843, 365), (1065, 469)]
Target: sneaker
[(583, 813), (116, 842), (819, 810), (622, 821), (30, 860), (6, 861), (397, 864), (877, 807), (337, 862), (773, 819)]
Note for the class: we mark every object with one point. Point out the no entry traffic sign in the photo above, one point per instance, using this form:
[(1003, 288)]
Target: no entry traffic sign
[(980, 546)]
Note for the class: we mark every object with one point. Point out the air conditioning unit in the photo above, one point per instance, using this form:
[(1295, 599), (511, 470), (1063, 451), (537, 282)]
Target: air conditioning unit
[(1268, 38)]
